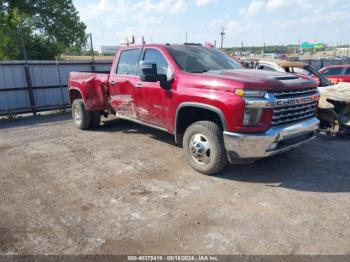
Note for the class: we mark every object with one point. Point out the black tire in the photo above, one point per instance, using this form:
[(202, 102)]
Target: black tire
[(210, 134), (81, 117), (95, 119), (329, 121)]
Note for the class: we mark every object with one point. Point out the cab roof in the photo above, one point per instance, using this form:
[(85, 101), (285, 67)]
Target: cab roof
[(159, 45)]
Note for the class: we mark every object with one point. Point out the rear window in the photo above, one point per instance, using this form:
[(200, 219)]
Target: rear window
[(333, 71), (128, 62), (347, 71)]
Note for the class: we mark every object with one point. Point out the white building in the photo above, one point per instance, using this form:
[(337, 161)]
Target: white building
[(108, 49)]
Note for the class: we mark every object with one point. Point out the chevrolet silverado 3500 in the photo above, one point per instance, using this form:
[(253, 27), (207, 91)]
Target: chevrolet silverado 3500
[(219, 111)]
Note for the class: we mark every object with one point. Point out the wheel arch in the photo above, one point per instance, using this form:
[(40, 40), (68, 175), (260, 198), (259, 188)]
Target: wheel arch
[(204, 110), (75, 93)]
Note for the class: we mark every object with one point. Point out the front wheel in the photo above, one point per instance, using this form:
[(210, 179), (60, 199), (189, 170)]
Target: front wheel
[(204, 147)]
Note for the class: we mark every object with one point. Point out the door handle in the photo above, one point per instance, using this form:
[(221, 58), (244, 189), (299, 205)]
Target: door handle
[(139, 85), (112, 82)]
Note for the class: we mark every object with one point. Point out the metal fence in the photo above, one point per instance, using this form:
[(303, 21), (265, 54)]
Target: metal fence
[(33, 86)]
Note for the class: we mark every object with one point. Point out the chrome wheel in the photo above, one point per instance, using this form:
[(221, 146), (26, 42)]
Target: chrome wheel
[(200, 149), (77, 114)]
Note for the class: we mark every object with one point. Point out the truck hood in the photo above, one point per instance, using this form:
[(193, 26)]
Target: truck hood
[(261, 79)]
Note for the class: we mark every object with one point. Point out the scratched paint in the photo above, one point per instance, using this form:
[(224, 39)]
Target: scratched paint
[(123, 105)]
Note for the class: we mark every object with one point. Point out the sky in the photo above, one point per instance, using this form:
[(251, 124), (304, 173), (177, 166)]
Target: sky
[(253, 22)]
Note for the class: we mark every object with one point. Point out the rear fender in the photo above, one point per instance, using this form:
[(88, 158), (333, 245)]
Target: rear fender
[(93, 92)]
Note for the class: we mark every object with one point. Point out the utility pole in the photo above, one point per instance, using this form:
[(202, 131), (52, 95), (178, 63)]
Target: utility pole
[(186, 37), (27, 75), (264, 50), (92, 54), (222, 37), (24, 49), (241, 48), (143, 40)]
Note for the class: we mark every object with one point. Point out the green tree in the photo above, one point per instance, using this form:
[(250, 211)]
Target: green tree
[(46, 28)]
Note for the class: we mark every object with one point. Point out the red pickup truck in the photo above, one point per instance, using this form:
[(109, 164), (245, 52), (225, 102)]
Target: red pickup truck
[(219, 111), (337, 73)]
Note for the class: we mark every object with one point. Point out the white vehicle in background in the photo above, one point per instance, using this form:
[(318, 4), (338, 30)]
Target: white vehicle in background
[(334, 105), (334, 108), (294, 67), (108, 50)]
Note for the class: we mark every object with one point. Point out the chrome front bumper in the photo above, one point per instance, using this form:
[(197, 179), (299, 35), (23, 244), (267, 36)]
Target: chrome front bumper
[(274, 141)]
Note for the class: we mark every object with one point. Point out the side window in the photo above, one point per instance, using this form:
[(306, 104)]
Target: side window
[(266, 67), (347, 71), (301, 71), (333, 71), (128, 62), (158, 58)]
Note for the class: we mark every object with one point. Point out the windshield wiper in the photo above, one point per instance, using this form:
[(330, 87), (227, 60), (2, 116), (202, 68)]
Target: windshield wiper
[(200, 71)]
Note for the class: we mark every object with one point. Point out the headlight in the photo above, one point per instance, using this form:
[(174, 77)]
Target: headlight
[(252, 116), (249, 93)]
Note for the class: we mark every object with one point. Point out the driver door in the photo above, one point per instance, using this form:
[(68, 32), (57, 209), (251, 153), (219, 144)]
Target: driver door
[(151, 101)]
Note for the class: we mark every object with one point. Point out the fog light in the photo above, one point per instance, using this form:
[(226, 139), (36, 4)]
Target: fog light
[(252, 116)]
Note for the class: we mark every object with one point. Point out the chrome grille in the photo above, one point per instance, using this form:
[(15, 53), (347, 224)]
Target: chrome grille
[(294, 93), (288, 114)]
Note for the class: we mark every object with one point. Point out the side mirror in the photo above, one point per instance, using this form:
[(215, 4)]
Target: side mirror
[(148, 71), (163, 82), (149, 74)]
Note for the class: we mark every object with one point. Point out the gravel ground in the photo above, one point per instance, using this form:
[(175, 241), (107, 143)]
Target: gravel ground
[(127, 189)]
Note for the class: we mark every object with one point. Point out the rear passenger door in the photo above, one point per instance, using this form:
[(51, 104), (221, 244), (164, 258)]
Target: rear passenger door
[(122, 83)]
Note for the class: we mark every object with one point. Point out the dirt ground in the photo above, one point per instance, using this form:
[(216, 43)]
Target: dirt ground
[(126, 189)]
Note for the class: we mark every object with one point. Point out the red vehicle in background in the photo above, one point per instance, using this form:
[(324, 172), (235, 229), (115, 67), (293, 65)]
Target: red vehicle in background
[(219, 111), (337, 73)]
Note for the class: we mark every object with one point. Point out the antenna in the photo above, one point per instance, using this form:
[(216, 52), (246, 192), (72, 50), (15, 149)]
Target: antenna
[(222, 36)]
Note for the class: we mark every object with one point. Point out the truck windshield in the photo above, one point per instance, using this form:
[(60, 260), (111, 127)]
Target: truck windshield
[(198, 59)]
